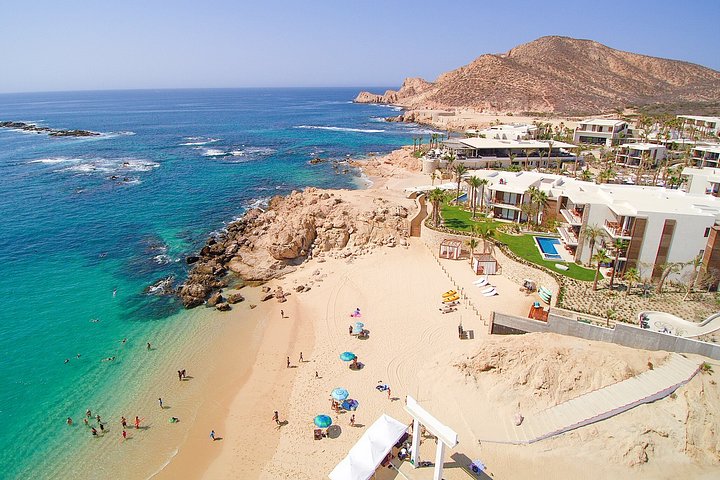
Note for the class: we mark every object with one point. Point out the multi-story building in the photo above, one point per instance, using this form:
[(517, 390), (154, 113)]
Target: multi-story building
[(702, 181), (633, 154), (705, 155), (601, 131), (494, 153), (657, 226), (697, 124)]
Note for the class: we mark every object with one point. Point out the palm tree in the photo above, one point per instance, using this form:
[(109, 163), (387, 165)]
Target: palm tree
[(619, 245), (450, 159), (540, 157), (592, 234), (586, 175), (696, 263), (527, 159), (487, 236), (433, 177), (436, 197), (667, 269), (473, 244), (483, 182), (512, 158), (528, 209), (475, 183), (632, 275), (599, 257), (540, 201), (459, 170)]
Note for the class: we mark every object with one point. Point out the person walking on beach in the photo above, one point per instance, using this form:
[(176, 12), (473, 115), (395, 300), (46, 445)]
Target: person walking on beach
[(288, 362), (124, 434), (350, 329), (102, 428), (282, 314), (137, 422), (301, 359), (276, 417), (160, 402), (123, 422), (183, 374), (179, 375), (212, 435), (388, 392), (148, 346), (352, 420)]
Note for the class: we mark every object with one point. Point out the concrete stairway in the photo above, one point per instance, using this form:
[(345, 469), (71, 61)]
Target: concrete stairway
[(600, 404)]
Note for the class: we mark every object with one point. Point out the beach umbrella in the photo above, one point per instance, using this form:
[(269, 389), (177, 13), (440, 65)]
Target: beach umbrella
[(347, 356), (350, 404), (359, 325), (339, 394), (322, 421)]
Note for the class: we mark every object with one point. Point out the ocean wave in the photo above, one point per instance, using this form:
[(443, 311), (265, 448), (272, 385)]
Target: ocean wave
[(118, 166), (341, 129), (55, 160), (240, 155), (195, 141), (253, 151), (214, 152)]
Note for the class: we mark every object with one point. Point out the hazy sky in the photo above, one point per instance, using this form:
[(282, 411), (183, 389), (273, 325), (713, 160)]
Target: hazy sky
[(118, 44)]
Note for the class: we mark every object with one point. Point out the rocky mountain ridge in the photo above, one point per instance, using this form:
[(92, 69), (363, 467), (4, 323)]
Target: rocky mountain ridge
[(558, 75)]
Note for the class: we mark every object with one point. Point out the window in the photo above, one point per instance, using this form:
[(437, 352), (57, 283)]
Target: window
[(707, 232)]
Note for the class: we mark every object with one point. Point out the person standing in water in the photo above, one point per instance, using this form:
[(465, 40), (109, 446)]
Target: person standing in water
[(137, 422), (123, 422), (69, 421)]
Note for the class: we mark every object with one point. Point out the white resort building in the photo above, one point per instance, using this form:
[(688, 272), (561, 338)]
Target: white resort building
[(705, 155), (601, 131), (506, 132), (494, 153), (705, 126), (632, 154), (658, 225), (702, 181)]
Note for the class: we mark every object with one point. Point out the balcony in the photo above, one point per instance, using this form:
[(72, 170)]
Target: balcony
[(615, 230), (567, 236), (573, 217)]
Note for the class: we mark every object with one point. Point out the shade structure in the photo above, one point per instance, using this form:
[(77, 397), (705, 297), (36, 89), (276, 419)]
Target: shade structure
[(364, 458), (322, 421), (350, 404), (339, 394), (359, 324), (347, 356)]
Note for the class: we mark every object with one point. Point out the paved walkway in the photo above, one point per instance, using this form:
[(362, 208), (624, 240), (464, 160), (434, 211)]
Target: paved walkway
[(666, 323), (596, 405)]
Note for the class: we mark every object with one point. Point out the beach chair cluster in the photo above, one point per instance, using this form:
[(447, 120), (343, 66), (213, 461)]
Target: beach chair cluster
[(545, 294), (450, 300), (487, 290)]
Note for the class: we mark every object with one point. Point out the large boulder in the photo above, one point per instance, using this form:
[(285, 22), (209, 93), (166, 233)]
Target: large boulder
[(214, 299), (234, 298)]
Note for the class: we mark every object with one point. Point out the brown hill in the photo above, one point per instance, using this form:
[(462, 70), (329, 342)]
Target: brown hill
[(561, 75)]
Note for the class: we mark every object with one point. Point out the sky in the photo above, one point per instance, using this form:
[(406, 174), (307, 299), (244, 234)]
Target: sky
[(130, 44)]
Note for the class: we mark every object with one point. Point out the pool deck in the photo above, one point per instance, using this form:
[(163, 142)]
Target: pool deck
[(565, 256)]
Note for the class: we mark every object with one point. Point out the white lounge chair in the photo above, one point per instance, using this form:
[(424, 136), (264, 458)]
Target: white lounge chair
[(490, 293), (487, 289), (481, 283)]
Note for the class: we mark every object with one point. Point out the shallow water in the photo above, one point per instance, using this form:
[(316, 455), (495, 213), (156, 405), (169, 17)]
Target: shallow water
[(88, 223)]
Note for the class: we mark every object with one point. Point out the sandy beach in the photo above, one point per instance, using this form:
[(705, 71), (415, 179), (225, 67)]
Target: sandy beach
[(240, 377)]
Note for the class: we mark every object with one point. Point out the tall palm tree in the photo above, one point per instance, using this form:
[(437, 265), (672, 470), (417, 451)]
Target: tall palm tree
[(540, 200), (586, 175), (599, 257), (460, 169), (527, 159), (436, 197), (540, 157), (475, 183), (473, 244), (619, 245), (528, 209), (632, 275), (433, 177), (483, 182), (487, 236), (592, 233), (696, 263), (450, 158), (580, 149)]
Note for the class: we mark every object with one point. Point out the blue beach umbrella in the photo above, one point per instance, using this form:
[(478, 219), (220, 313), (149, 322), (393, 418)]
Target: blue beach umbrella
[(359, 325), (339, 394), (347, 356), (322, 421)]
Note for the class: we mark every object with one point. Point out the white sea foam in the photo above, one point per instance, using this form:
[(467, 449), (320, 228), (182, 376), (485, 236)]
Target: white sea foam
[(195, 141), (341, 129), (55, 160), (118, 166), (214, 152)]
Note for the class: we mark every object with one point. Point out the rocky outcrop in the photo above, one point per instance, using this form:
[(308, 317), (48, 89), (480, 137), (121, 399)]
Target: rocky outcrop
[(267, 244), (53, 132), (558, 75)]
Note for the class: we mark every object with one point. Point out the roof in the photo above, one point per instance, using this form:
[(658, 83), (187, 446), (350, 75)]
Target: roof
[(712, 175), (643, 146), (449, 242), (602, 121), (479, 143), (700, 117), (365, 456), (708, 148), (484, 257)]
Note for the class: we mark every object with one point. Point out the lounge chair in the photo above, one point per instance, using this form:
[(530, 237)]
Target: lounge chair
[(318, 434), (481, 283), (449, 293), (487, 289), (490, 293), (451, 299)]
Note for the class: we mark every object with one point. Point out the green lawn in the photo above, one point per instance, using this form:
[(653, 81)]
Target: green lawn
[(524, 246), (457, 218)]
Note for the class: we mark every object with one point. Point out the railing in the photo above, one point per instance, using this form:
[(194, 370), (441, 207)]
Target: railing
[(572, 217), (567, 236), (616, 230)]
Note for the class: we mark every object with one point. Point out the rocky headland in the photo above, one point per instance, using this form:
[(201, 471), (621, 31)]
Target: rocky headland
[(266, 244), (53, 132), (558, 75)]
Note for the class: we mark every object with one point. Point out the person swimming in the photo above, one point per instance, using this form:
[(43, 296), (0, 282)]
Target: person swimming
[(94, 320), (114, 291), (108, 359)]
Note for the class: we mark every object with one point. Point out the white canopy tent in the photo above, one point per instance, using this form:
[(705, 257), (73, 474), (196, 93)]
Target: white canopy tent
[(364, 457)]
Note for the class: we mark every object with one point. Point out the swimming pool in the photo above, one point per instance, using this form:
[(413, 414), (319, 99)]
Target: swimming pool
[(548, 247)]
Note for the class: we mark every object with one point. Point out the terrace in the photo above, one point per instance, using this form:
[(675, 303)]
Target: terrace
[(567, 235), (573, 217), (617, 229)]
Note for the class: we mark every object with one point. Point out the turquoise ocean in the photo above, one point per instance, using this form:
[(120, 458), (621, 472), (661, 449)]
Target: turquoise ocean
[(87, 224)]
